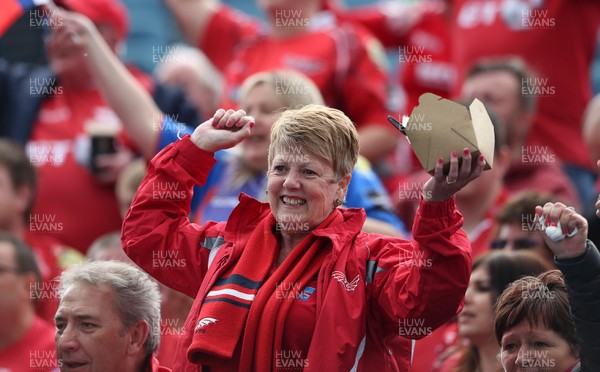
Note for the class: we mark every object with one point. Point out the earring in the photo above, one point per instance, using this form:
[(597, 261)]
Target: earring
[(267, 192), (338, 202)]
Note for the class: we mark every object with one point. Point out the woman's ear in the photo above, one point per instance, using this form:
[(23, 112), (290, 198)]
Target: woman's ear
[(343, 186)]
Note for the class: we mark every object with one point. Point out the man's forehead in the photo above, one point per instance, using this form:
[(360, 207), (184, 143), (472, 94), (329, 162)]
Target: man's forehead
[(83, 299)]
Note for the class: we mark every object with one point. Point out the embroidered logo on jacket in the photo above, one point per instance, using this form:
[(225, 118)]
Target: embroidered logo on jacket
[(340, 277), (203, 323)]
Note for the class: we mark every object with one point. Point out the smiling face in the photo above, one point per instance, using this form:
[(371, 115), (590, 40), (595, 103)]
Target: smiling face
[(302, 189), (538, 348), (475, 321), (89, 333)]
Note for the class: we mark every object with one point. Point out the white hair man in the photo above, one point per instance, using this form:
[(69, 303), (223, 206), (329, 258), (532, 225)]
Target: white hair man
[(108, 319)]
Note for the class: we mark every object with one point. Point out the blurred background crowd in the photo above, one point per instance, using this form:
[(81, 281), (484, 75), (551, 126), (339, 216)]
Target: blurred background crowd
[(71, 159)]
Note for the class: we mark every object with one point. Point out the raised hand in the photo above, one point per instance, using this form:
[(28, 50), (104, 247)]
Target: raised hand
[(552, 214), (440, 188), (226, 129), (71, 28)]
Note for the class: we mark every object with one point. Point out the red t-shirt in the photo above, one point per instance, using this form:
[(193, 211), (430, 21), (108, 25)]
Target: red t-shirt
[(35, 351), (72, 205), (557, 39), (337, 58)]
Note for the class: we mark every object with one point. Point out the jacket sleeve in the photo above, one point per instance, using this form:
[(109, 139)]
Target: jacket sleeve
[(419, 285), (156, 233), (582, 277)]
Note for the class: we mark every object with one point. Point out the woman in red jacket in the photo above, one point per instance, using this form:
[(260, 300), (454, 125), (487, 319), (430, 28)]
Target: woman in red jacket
[(294, 283)]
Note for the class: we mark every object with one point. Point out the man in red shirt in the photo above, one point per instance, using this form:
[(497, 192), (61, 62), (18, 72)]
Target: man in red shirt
[(26, 340), (497, 83), (338, 58)]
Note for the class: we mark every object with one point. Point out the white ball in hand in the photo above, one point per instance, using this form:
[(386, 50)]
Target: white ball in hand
[(555, 233)]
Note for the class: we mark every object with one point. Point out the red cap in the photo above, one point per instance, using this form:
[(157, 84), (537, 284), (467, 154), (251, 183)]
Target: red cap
[(111, 12)]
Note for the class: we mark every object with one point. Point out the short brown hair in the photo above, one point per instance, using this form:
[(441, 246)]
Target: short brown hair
[(514, 66), (521, 204), (324, 131), (539, 300)]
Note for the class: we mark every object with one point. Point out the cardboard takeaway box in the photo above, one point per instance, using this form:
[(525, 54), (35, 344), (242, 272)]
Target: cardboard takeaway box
[(438, 126)]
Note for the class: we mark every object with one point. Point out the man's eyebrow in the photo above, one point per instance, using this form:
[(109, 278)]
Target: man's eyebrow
[(77, 317)]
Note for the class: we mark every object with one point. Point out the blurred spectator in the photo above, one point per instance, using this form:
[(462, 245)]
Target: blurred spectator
[(189, 69), (108, 318), (477, 348), (26, 340), (542, 33), (50, 109), (517, 228), (417, 34), (339, 59), (17, 195), (499, 85)]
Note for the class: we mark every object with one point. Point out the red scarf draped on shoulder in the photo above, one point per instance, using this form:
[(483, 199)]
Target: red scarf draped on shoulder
[(245, 303)]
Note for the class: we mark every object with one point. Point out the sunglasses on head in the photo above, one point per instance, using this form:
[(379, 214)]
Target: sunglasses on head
[(523, 243)]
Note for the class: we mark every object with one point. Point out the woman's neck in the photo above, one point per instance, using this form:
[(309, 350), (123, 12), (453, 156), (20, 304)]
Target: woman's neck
[(287, 243)]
